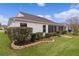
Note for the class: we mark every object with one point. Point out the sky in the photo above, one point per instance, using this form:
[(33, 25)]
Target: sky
[(57, 12)]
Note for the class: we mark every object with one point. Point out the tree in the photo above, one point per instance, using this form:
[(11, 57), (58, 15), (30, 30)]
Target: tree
[(74, 24), (10, 21)]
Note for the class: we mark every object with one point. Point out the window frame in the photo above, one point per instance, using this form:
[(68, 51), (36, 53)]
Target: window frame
[(23, 24)]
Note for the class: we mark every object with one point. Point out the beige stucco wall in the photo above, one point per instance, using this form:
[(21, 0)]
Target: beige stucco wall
[(36, 26)]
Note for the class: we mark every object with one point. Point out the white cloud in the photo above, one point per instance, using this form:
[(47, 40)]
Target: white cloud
[(76, 6), (49, 17), (67, 14), (41, 4), (45, 16), (40, 15), (3, 20)]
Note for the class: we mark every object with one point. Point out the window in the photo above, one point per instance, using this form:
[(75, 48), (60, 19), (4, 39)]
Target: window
[(44, 28), (23, 25), (51, 28)]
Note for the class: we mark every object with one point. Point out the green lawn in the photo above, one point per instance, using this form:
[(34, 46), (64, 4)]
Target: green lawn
[(62, 46)]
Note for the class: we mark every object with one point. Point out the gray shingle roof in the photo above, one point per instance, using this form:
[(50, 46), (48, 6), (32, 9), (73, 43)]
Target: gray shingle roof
[(33, 18)]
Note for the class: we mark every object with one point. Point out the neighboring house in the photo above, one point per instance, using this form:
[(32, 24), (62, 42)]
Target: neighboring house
[(0, 26), (4, 26), (38, 24)]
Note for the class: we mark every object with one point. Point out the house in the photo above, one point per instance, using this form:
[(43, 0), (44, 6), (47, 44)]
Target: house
[(38, 24), (0, 26)]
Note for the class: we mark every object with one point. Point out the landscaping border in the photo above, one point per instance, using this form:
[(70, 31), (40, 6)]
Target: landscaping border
[(29, 45)]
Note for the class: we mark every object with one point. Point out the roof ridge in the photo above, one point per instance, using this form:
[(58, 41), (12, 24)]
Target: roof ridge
[(35, 16), (32, 17)]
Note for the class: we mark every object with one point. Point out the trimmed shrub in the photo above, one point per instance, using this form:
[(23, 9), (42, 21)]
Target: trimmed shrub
[(36, 36), (75, 33), (61, 32), (58, 32), (5, 31), (19, 34), (64, 32), (55, 34), (33, 37), (39, 35), (47, 35)]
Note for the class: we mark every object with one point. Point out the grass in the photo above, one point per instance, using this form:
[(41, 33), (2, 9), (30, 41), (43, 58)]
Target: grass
[(61, 47)]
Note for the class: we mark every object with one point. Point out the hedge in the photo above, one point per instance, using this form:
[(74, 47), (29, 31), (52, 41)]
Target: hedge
[(19, 33), (62, 32), (36, 36), (47, 35), (39, 35)]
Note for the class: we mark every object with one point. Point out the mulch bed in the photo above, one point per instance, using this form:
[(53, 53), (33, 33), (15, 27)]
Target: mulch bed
[(29, 44), (21, 43)]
